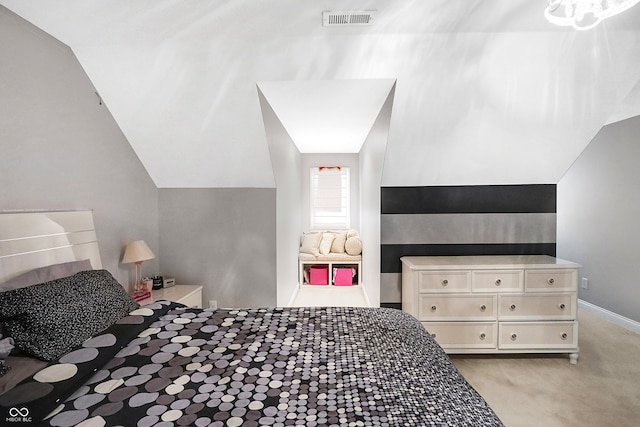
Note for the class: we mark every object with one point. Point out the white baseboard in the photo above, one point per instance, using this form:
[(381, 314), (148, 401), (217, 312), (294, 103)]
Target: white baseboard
[(366, 297), (625, 322), (293, 296)]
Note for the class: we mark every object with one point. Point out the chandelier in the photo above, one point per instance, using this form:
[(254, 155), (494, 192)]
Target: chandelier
[(584, 14)]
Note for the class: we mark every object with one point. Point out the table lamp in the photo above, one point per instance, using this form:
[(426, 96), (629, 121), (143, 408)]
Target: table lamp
[(137, 252)]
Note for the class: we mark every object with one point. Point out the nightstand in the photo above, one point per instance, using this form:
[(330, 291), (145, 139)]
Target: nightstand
[(189, 295)]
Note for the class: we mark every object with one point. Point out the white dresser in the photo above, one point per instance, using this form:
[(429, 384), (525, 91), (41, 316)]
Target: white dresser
[(494, 304)]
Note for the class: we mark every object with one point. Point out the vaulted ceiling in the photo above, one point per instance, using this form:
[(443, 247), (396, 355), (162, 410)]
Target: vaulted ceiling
[(487, 91)]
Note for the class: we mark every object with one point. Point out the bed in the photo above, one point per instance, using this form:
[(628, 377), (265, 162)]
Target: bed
[(102, 360)]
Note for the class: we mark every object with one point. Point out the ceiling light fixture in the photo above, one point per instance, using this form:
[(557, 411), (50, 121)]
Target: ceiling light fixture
[(584, 14)]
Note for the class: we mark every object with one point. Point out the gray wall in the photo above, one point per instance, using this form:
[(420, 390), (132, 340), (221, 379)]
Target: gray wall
[(463, 220), (61, 149), (598, 212), (223, 239)]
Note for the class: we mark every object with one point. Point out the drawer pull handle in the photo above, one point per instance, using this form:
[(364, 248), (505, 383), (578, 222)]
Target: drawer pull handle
[(514, 337), (564, 336), (562, 306), (483, 307), (498, 282), (445, 282), (433, 335), (483, 336), (512, 307), (434, 308), (550, 281)]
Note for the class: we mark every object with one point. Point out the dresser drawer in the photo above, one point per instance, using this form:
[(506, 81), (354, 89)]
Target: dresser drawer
[(458, 307), (464, 335), (538, 335), (550, 280), (497, 281), (444, 281), (537, 307)]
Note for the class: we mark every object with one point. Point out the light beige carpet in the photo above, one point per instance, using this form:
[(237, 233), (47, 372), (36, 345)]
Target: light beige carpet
[(602, 390), (332, 296)]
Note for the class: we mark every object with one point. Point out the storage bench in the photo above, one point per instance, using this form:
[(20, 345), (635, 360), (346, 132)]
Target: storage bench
[(329, 266)]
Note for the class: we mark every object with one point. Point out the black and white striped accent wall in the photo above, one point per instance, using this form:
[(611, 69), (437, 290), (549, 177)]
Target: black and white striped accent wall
[(462, 220)]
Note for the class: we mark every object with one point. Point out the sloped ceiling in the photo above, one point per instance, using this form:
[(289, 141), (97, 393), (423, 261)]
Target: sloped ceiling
[(332, 116), (487, 91)]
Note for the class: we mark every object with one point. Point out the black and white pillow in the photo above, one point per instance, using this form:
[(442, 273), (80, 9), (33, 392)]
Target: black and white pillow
[(49, 319)]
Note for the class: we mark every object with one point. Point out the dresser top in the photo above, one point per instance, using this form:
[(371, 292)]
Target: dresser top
[(485, 262)]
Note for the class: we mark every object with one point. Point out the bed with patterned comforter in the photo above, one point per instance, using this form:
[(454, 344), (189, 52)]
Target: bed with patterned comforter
[(168, 365)]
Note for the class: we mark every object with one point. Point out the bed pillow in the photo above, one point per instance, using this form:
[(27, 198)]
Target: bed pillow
[(46, 274), (49, 319)]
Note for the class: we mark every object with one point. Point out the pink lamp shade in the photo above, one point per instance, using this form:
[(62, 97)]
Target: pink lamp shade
[(137, 252)]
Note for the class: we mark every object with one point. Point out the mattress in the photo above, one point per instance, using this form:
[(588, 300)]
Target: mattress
[(165, 364)]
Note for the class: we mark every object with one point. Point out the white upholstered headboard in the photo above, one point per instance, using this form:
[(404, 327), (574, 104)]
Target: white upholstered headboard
[(30, 240)]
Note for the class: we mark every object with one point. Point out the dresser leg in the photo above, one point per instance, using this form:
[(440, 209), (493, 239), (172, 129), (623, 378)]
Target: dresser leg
[(573, 358)]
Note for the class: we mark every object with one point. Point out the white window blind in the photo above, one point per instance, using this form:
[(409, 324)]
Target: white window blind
[(329, 198)]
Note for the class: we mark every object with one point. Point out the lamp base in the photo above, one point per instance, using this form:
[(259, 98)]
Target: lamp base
[(137, 284)]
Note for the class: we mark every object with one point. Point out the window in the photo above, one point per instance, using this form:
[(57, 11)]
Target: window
[(329, 197)]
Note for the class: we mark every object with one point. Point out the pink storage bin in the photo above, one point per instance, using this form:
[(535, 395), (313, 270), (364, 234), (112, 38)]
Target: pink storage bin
[(342, 277), (318, 275)]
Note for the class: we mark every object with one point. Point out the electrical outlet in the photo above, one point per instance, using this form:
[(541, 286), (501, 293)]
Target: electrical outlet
[(585, 283), (213, 303)]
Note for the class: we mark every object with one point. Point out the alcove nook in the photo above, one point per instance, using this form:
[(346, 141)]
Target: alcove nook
[(341, 120)]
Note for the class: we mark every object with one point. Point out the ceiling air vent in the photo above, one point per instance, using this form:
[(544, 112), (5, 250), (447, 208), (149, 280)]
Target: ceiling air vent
[(343, 18)]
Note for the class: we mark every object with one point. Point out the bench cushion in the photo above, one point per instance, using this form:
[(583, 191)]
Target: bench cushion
[(333, 257)]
